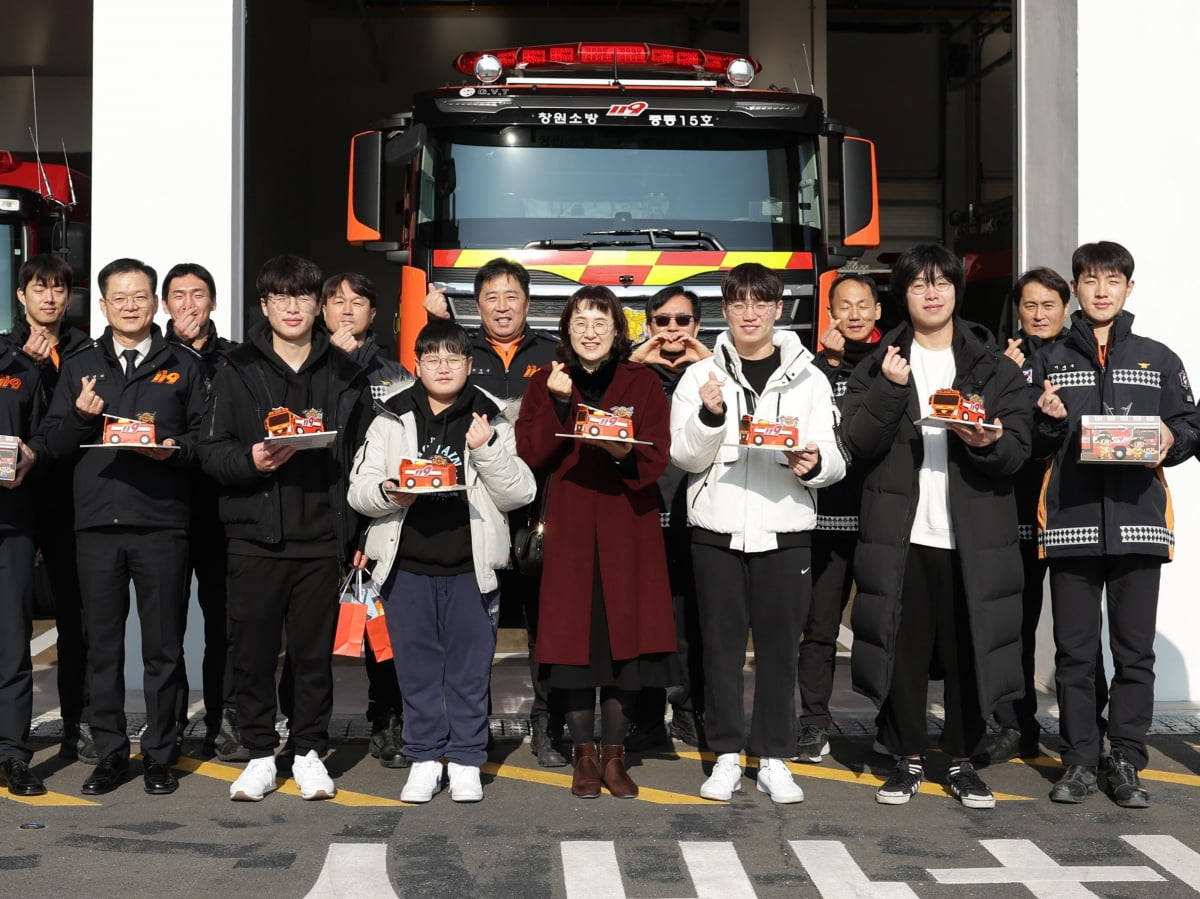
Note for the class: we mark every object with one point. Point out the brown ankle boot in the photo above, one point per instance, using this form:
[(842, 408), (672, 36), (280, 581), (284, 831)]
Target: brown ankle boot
[(613, 773), (585, 782)]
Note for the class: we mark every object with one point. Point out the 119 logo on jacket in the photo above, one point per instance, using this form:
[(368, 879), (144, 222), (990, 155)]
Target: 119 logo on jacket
[(8, 382), (162, 376)]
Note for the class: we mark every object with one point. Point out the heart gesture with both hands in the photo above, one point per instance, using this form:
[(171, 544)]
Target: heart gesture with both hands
[(670, 350)]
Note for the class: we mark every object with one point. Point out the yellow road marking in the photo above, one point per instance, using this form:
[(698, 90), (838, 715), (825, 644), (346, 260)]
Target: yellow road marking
[(1170, 777), (288, 787), (842, 775), (48, 798), (530, 775)]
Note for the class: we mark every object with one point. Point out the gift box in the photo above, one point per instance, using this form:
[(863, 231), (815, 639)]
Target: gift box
[(1134, 439)]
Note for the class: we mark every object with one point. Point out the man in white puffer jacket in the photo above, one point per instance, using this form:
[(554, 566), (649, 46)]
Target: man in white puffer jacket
[(752, 510), (437, 551)]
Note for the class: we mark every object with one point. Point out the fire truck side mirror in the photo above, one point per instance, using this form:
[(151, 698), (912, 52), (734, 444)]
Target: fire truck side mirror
[(364, 199), (860, 193)]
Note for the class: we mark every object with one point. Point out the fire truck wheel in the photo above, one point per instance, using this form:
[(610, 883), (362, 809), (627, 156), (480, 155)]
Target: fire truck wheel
[(300, 430), (758, 440), (1119, 452), (623, 433), (594, 431), (966, 416), (410, 483), (114, 438), (789, 442), (437, 482), (145, 439)]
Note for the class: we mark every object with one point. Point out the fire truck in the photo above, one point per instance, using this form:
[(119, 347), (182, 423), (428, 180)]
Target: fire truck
[(593, 422), (759, 432), (44, 208), (282, 421), (424, 473), (949, 403), (139, 431), (629, 165)]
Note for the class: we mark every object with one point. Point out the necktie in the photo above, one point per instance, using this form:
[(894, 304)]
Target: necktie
[(130, 362)]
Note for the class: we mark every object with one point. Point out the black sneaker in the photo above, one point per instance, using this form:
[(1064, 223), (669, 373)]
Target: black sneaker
[(77, 744), (1076, 785), (643, 737), (968, 787), (687, 726), (228, 741), (812, 745), (387, 745), (904, 783), (1127, 790)]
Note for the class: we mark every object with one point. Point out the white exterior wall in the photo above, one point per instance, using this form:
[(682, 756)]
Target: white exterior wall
[(1118, 130)]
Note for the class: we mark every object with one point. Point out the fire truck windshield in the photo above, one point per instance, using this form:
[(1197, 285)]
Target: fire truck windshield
[(10, 259), (512, 186)]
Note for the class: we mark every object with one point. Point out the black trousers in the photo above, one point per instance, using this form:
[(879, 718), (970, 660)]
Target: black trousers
[(56, 539), (155, 560), (934, 625), (833, 575), (769, 594), (269, 597), (207, 560), (1022, 714), (16, 669), (1076, 587)]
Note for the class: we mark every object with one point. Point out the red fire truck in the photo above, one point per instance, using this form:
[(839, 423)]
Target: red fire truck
[(44, 208), (418, 473), (759, 432), (630, 165), (593, 422), (282, 421)]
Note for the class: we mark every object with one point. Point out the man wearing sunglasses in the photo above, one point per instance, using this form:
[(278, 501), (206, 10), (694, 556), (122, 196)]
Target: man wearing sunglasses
[(291, 533), (672, 344)]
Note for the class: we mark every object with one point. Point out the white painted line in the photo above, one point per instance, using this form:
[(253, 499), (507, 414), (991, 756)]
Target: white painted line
[(838, 876), (716, 871), (354, 869), (1024, 863), (1169, 853), (845, 636), (590, 870), (42, 642)]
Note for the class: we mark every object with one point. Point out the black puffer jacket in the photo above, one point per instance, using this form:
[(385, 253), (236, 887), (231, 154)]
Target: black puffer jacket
[(1109, 509), (250, 504), (879, 431), (838, 504)]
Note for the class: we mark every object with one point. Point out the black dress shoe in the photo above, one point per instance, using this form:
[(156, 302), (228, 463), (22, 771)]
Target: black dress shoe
[(1123, 782), (110, 773), (159, 779), (15, 775)]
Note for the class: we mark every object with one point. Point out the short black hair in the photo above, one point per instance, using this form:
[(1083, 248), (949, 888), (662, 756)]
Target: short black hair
[(443, 334), (855, 278), (925, 261), (594, 296), (124, 266), (667, 294), (184, 269), (761, 283), (288, 275), (359, 283), (51, 270), (501, 266), (1100, 258), (1047, 278)]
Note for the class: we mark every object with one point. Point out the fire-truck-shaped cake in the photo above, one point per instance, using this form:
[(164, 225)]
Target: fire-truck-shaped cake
[(139, 431), (774, 434), (593, 422), (949, 403), (416, 474), (281, 421)]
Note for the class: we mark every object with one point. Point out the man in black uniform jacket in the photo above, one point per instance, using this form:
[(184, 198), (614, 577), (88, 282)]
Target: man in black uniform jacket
[(40, 332), (131, 512), (505, 352)]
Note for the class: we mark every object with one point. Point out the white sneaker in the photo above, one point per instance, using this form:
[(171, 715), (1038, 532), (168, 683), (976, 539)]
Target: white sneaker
[(464, 782), (424, 780), (726, 778), (776, 781), (255, 782), (311, 777)]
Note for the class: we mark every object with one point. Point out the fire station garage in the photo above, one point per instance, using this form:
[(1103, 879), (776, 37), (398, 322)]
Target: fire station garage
[(219, 131)]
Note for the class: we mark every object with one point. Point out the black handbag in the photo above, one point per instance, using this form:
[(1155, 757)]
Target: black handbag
[(529, 540)]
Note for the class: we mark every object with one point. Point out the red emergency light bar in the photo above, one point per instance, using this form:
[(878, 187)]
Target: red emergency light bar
[(658, 56)]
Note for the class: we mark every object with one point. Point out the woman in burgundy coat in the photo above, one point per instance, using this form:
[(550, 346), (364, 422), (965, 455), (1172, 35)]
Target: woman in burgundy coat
[(605, 616)]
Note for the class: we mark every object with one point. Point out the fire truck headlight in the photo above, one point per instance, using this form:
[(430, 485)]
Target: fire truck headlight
[(488, 68), (740, 72), (10, 205)]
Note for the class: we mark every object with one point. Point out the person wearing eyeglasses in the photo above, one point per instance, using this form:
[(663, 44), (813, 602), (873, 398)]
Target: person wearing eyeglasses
[(937, 564), (291, 533), (606, 618), (436, 555), (505, 353), (752, 511), (851, 336), (131, 513), (672, 344)]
